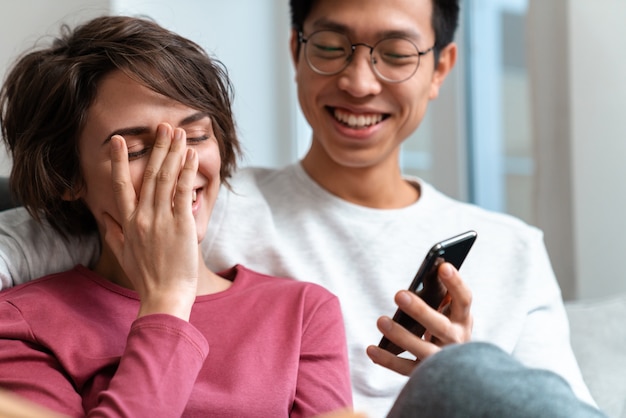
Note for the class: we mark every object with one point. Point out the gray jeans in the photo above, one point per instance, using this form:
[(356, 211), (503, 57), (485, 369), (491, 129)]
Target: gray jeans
[(481, 380)]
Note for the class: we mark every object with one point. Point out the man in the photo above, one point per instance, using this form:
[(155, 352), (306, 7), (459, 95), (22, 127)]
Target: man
[(346, 218)]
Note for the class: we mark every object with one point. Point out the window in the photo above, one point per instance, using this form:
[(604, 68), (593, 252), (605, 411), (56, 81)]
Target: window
[(492, 110)]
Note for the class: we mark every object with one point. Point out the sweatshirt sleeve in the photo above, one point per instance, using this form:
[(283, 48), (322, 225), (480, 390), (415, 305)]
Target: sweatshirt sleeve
[(323, 382), (155, 375), (157, 371), (544, 341), (29, 249)]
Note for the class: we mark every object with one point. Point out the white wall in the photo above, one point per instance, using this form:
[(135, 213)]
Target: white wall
[(578, 65), (597, 33), (249, 36), (24, 22)]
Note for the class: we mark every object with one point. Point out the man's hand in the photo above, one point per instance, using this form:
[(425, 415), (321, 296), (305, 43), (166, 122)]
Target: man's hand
[(452, 326)]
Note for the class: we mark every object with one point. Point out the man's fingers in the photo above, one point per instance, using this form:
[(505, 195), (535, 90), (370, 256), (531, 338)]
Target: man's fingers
[(386, 359), (460, 293), (402, 337), (123, 189), (438, 324), (419, 310)]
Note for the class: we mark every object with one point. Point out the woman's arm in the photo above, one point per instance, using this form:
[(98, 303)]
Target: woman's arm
[(155, 375), (323, 383)]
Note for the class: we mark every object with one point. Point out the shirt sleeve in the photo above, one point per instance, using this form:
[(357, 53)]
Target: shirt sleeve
[(323, 382), (544, 342), (155, 376), (29, 249)]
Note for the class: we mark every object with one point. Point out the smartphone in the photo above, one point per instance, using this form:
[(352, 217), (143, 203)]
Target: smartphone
[(426, 283)]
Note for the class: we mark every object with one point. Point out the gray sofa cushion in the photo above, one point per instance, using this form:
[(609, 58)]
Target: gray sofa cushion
[(598, 336)]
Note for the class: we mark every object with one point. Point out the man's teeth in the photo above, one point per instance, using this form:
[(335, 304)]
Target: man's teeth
[(194, 195), (357, 121)]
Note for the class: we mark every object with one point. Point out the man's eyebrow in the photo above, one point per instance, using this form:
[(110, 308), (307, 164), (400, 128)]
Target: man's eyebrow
[(327, 24), (410, 34), (141, 130)]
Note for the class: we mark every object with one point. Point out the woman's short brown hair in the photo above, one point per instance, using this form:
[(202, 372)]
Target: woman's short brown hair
[(48, 91)]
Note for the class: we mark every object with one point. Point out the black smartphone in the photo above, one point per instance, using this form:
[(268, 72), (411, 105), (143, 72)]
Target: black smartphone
[(426, 283)]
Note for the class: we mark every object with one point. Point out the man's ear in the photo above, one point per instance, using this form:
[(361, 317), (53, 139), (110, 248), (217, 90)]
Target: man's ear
[(294, 47), (447, 59)]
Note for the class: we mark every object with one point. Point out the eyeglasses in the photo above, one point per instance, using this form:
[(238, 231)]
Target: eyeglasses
[(393, 60)]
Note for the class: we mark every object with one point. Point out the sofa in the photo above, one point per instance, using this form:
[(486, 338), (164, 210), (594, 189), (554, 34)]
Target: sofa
[(6, 200), (598, 336)]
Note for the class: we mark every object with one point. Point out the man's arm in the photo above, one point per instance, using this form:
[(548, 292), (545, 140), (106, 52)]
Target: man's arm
[(544, 342), (29, 250)]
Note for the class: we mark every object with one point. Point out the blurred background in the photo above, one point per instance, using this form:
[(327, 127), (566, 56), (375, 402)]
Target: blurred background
[(531, 121)]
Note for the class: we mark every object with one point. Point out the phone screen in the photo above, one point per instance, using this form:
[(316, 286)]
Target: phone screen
[(426, 283)]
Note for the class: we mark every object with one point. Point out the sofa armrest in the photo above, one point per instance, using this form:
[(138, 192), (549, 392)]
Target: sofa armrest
[(598, 337), (6, 200)]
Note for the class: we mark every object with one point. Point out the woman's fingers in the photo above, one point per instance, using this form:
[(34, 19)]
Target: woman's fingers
[(169, 172), (155, 239), (123, 190), (153, 173), (184, 188)]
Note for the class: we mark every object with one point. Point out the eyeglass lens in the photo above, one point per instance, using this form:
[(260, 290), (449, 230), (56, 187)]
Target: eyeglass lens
[(393, 59)]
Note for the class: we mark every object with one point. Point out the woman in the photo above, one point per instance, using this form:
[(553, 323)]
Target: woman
[(125, 128)]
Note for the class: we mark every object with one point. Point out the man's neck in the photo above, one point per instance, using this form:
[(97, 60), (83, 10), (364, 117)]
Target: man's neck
[(381, 186)]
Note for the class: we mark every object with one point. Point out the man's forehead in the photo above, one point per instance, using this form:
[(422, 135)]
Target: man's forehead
[(385, 18)]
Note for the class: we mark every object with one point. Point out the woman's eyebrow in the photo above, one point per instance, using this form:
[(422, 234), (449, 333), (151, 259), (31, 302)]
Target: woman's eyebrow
[(141, 130), (193, 118), (132, 131)]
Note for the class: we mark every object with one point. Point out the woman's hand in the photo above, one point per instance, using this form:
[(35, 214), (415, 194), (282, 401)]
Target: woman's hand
[(154, 239), (453, 325)]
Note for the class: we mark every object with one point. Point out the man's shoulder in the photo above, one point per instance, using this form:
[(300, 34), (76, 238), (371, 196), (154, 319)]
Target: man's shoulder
[(17, 218), (470, 214), (261, 176), (258, 191)]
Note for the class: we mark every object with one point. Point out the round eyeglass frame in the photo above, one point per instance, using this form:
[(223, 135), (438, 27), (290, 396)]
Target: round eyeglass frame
[(304, 41)]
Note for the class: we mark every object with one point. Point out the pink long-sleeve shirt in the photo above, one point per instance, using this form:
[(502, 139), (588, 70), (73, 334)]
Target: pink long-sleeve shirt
[(265, 347)]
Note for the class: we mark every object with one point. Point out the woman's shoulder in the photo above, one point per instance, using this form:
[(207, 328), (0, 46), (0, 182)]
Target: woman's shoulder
[(51, 283), (60, 289), (285, 285)]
